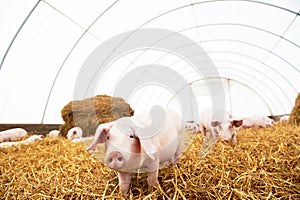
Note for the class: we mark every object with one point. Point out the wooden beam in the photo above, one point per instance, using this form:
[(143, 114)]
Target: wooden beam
[(32, 128)]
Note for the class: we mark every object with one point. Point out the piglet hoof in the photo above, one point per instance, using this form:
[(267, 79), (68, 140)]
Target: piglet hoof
[(152, 188), (124, 196), (152, 181), (124, 190), (175, 164)]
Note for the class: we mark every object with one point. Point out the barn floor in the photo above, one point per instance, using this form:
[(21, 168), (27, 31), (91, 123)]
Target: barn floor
[(265, 164)]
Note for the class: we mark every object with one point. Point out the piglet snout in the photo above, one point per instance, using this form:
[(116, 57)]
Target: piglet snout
[(115, 160)]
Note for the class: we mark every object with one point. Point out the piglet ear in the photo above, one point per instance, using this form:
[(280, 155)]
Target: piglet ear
[(202, 129), (237, 123), (148, 147), (79, 132), (145, 140), (101, 135)]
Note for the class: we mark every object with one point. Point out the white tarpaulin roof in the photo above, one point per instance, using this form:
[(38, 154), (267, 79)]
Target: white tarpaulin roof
[(171, 53)]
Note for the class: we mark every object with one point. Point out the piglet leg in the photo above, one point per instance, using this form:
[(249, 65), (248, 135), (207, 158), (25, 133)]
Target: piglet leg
[(124, 182), (153, 175), (152, 180), (175, 160)]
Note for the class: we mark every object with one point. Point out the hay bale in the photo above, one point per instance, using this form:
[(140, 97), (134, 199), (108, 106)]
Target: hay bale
[(295, 114), (91, 112)]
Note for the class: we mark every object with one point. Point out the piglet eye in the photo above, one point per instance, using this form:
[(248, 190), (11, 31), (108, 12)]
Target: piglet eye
[(108, 137), (131, 136)]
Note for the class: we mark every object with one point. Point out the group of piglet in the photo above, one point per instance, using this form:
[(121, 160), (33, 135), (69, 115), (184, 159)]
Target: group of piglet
[(147, 141), (12, 137), (217, 124), (157, 137)]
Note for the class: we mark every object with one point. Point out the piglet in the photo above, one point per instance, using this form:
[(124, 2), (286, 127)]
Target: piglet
[(215, 124), (74, 133), (257, 121), (31, 139), (12, 134), (8, 144), (143, 141), (284, 118), (53, 134)]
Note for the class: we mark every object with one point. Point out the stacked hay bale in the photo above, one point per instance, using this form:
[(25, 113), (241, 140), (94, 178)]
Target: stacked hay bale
[(91, 112), (295, 114)]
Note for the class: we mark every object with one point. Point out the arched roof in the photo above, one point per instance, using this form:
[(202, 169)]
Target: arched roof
[(54, 51)]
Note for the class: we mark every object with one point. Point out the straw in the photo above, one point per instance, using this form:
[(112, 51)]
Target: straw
[(264, 164)]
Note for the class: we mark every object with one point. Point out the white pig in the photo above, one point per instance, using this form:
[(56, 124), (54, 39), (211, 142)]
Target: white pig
[(144, 141), (12, 134), (31, 139), (8, 144), (192, 125), (257, 121), (218, 124), (53, 134), (74, 133), (284, 118)]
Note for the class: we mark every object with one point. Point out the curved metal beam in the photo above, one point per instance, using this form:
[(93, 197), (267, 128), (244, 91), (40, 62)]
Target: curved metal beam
[(258, 81), (69, 54), (278, 86), (17, 33), (255, 89), (252, 58), (165, 13), (225, 78), (276, 72), (268, 78), (254, 45)]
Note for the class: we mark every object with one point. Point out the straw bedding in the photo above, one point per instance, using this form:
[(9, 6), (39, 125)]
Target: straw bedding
[(265, 164), (89, 113)]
